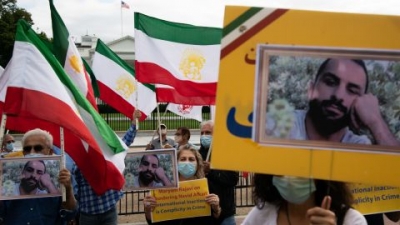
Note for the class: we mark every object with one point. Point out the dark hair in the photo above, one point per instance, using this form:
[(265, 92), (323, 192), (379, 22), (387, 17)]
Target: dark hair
[(142, 159), (27, 163), (264, 191), (356, 61), (184, 131)]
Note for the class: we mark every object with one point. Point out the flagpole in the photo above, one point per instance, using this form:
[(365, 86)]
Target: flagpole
[(159, 124), (62, 166), (2, 126), (136, 103), (121, 22)]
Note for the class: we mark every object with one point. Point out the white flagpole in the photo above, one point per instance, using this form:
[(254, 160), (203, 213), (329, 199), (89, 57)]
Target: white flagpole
[(62, 147), (2, 126), (155, 131), (122, 32), (136, 103), (159, 124)]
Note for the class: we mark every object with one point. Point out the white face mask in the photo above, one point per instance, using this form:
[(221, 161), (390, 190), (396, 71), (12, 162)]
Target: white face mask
[(33, 155)]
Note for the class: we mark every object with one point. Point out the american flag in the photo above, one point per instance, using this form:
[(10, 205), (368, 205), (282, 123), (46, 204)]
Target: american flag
[(124, 5)]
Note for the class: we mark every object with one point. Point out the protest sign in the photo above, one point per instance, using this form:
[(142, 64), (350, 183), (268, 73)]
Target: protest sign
[(185, 202), (375, 199)]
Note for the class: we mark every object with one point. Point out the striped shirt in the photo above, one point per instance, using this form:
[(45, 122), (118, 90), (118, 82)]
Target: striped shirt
[(89, 202)]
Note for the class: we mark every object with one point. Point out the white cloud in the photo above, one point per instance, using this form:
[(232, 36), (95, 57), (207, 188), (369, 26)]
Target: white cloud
[(103, 17)]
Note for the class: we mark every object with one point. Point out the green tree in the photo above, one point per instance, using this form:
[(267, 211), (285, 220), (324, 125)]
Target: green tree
[(10, 13)]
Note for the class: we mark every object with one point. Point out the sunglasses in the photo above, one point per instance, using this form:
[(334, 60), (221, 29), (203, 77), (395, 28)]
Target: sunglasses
[(178, 134), (10, 141), (37, 148)]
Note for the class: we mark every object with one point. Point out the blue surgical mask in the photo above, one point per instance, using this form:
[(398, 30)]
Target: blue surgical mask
[(33, 155), (295, 190), (187, 169), (10, 147), (205, 140)]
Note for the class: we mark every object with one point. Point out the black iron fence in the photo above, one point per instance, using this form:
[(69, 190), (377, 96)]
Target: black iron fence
[(119, 122), (132, 202)]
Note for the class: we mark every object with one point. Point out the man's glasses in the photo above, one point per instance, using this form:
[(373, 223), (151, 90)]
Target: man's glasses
[(178, 134), (10, 141), (37, 148)]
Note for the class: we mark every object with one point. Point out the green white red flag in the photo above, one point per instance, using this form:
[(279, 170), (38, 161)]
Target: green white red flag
[(182, 56), (38, 93), (68, 55), (118, 86), (187, 111)]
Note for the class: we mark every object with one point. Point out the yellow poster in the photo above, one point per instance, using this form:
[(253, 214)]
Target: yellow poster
[(371, 199), (245, 29), (186, 202)]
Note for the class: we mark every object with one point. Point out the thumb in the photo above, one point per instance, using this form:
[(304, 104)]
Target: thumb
[(326, 202)]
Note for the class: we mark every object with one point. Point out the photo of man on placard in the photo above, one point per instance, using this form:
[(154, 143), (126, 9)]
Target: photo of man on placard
[(150, 170), (33, 177), (349, 101)]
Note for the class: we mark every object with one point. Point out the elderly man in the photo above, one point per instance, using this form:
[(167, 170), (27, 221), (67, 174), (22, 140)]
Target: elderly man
[(8, 144), (151, 174), (35, 180), (220, 182), (40, 211)]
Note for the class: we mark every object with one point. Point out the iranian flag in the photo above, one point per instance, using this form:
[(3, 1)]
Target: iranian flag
[(40, 94), (118, 86), (187, 111), (167, 93), (183, 56), (68, 55)]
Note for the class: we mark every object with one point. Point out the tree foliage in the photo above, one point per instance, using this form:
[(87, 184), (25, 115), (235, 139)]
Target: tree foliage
[(10, 13)]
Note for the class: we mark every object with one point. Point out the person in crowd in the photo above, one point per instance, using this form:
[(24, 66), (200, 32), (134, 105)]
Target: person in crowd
[(35, 180), (190, 167), (294, 200), (182, 137), (100, 209), (151, 174), (40, 211), (7, 145), (166, 142), (220, 182)]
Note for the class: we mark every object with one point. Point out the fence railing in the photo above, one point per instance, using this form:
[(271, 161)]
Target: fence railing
[(119, 122), (132, 202)]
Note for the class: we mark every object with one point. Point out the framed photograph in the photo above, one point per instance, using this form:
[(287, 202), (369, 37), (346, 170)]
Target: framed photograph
[(22, 178), (327, 98), (155, 169)]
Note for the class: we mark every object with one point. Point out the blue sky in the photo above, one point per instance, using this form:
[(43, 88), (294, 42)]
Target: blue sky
[(103, 18)]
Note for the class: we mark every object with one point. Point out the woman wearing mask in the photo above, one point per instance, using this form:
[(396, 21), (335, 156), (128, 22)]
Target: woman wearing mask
[(190, 167), (285, 200)]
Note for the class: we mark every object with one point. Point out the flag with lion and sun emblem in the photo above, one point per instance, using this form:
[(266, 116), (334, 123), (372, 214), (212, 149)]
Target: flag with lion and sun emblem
[(68, 56), (183, 56), (118, 86)]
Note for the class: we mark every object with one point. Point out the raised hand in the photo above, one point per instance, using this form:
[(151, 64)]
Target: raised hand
[(322, 215)]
